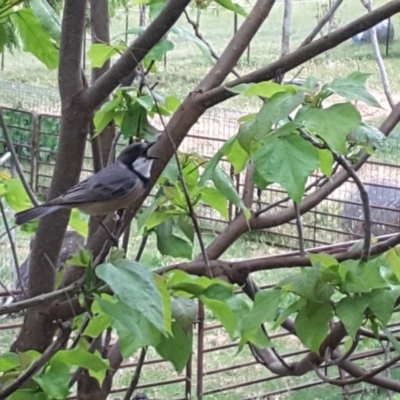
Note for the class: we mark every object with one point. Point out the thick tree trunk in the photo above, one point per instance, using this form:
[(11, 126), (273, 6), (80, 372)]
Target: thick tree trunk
[(37, 331)]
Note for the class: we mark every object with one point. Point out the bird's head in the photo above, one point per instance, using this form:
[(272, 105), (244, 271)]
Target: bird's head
[(136, 158)]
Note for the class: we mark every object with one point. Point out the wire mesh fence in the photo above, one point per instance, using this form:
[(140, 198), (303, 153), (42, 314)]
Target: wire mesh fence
[(212, 372)]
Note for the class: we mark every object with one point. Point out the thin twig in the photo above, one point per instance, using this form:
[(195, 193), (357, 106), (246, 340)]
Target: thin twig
[(192, 213), (360, 186), (15, 160), (136, 375), (370, 374), (322, 23), (9, 292), (365, 203), (378, 58), (320, 181), (13, 249), (38, 364), (82, 327), (370, 334), (34, 301), (201, 37), (141, 248), (300, 230), (348, 353), (113, 149)]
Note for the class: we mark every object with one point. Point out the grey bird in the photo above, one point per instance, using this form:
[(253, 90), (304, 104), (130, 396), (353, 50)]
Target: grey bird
[(109, 190)]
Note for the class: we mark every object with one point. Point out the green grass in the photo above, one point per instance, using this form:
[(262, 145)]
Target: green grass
[(186, 66)]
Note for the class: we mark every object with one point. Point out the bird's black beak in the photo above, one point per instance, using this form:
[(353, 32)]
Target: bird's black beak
[(149, 146)]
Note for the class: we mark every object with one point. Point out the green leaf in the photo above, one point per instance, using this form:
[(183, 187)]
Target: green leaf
[(169, 244), (187, 35), (229, 5), (54, 381), (166, 301), (392, 339), (16, 196), (158, 52), (265, 309), (326, 161), (106, 113), (97, 324), (222, 312), (171, 171), (131, 121), (135, 286), (176, 349), (284, 130), (216, 200), (310, 84), (8, 361), (323, 259), (212, 164), (226, 187), (78, 223), (3, 37), (83, 259), (299, 158), (362, 277), (147, 213), (247, 132), (35, 38), (159, 216), (309, 284), (28, 394), (219, 291), (80, 357), (99, 53), (264, 89), (132, 326), (367, 135), (352, 87), (172, 104), (311, 324), (147, 131), (237, 156), (186, 225), (332, 124), (184, 312), (47, 17), (146, 102), (382, 302), (278, 107), (392, 257), (351, 310)]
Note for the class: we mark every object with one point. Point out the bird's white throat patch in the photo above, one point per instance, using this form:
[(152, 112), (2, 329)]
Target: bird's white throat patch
[(143, 166)]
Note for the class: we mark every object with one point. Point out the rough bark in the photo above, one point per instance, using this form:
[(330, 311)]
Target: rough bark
[(37, 331)]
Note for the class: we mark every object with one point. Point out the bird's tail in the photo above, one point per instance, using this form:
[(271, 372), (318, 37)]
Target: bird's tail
[(34, 213)]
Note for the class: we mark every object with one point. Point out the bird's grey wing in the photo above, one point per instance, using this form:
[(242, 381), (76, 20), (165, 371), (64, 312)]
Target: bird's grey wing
[(109, 183)]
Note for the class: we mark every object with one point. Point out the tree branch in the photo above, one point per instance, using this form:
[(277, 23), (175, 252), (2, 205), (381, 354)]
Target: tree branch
[(219, 94), (378, 58), (239, 226), (103, 86), (69, 72), (237, 45), (273, 262), (322, 22)]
